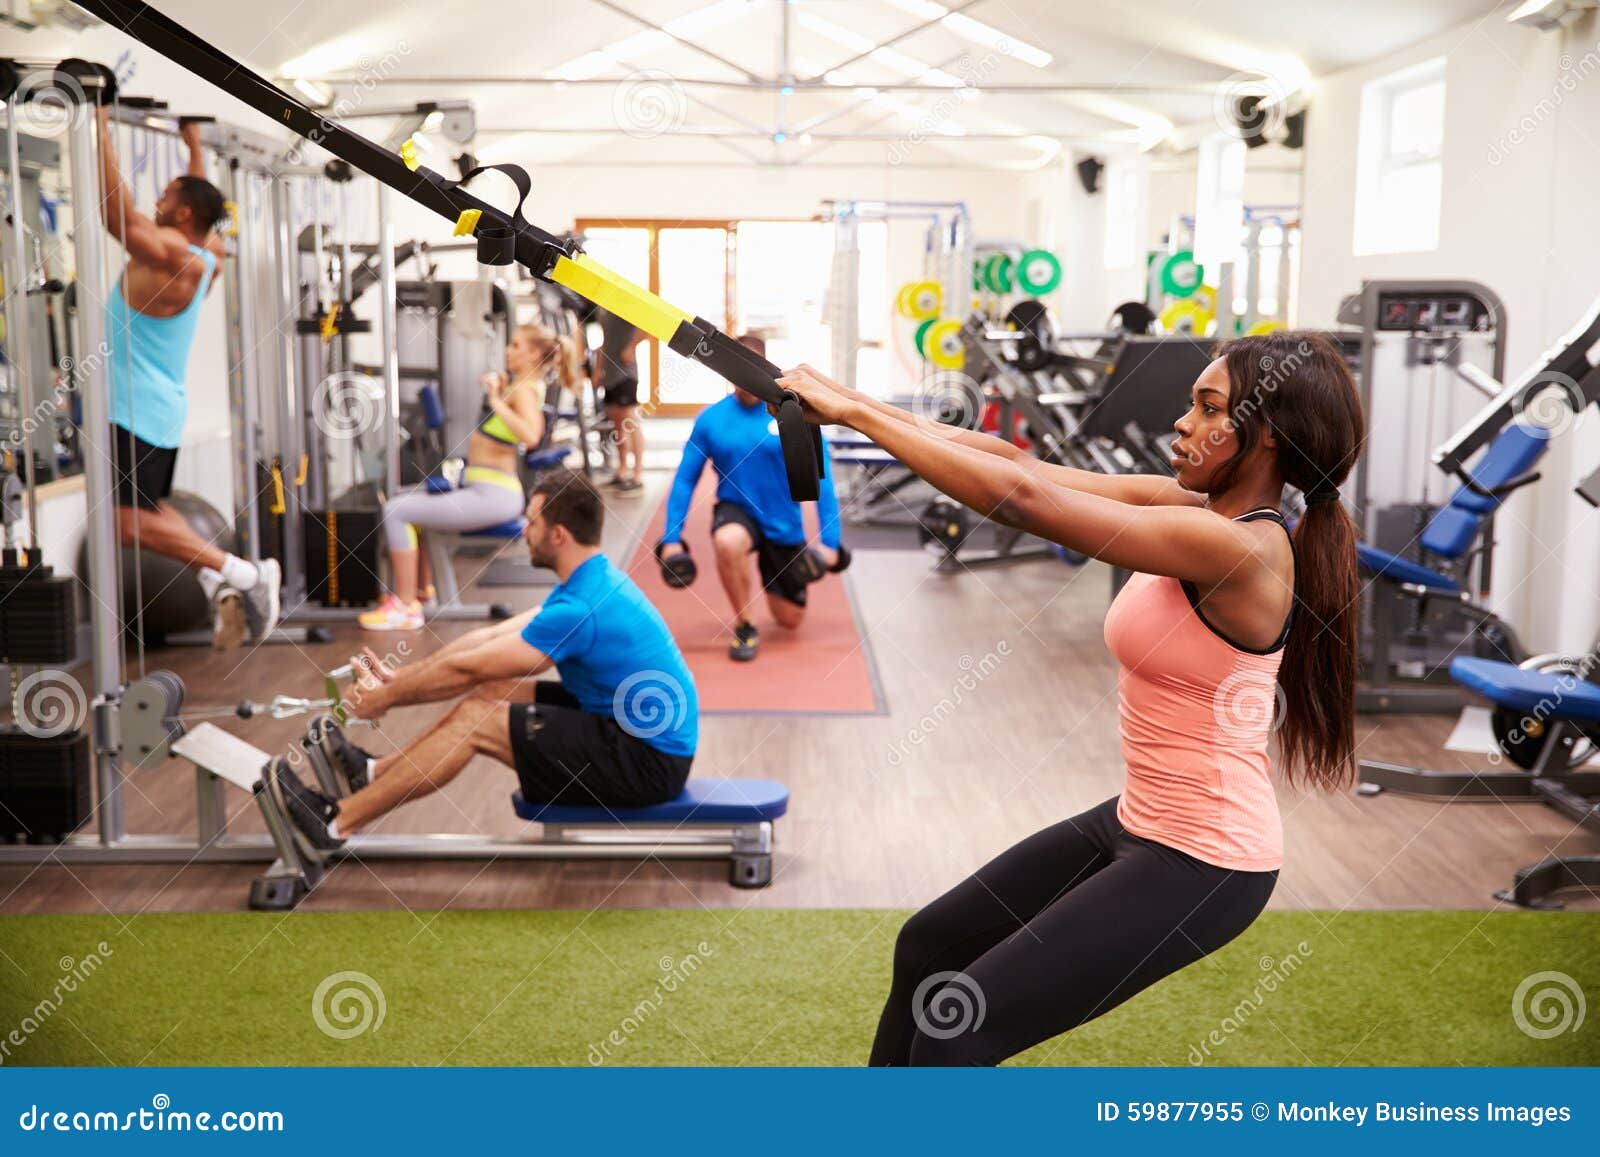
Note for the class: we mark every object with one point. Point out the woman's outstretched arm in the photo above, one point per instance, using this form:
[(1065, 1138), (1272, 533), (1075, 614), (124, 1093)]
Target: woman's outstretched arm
[(1187, 542), (1139, 489)]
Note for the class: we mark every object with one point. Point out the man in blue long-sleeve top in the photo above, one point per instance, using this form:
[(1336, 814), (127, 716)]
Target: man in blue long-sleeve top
[(754, 513)]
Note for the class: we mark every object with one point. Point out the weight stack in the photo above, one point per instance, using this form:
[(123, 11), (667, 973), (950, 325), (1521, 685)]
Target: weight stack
[(342, 556), (45, 792), (38, 613)]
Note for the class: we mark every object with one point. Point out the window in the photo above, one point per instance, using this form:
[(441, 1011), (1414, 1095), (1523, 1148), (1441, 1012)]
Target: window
[(767, 276), (1122, 213), (1219, 201), (1399, 172)]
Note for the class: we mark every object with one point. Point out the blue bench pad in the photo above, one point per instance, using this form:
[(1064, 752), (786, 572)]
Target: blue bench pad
[(511, 529), (702, 801), (1507, 685), (1400, 570)]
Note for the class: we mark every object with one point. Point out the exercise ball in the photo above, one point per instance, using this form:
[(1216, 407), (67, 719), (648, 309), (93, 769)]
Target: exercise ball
[(173, 598)]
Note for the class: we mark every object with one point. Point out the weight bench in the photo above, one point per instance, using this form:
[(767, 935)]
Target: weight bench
[(1560, 707), (1448, 546), (713, 819), (744, 809)]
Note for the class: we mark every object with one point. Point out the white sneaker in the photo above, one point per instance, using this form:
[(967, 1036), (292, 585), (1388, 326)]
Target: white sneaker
[(261, 602), (392, 615)]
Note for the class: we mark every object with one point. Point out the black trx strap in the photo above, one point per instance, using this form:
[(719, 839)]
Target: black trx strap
[(503, 237)]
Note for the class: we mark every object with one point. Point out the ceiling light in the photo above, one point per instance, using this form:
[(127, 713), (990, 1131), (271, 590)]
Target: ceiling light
[(687, 27), (327, 57), (317, 95), (866, 46)]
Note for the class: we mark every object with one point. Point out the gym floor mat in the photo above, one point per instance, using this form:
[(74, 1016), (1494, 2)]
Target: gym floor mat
[(825, 667), (757, 987)]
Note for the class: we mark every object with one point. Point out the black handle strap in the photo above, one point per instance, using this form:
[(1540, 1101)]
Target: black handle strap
[(497, 243)]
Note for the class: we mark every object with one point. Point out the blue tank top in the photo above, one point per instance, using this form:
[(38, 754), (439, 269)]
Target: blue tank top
[(149, 356)]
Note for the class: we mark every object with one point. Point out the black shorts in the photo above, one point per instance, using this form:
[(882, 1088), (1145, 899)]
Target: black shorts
[(623, 393), (779, 574), (566, 755), (144, 472)]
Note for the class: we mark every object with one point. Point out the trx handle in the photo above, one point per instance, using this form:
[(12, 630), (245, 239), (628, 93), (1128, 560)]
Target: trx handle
[(741, 365), (497, 243)]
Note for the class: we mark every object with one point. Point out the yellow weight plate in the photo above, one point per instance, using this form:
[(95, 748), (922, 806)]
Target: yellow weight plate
[(1187, 316), (1264, 327), (944, 346), (925, 299)]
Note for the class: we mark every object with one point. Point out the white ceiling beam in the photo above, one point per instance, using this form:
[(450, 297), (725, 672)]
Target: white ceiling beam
[(689, 44), (1109, 88)]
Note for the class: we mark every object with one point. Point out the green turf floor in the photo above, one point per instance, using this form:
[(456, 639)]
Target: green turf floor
[(753, 987)]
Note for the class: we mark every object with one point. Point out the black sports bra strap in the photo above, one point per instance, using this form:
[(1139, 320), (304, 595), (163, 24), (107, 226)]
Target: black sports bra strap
[(1276, 515)]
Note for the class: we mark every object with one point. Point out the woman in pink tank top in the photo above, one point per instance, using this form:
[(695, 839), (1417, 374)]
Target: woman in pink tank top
[(1232, 627)]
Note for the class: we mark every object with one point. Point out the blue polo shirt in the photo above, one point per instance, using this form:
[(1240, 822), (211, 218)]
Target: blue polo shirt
[(616, 656)]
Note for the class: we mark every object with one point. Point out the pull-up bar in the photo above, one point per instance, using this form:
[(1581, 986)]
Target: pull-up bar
[(503, 238)]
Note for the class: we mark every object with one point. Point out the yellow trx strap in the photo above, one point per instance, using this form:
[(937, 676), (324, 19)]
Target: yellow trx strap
[(616, 294)]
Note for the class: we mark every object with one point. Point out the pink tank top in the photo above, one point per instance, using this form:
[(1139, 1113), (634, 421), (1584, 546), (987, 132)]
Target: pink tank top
[(1197, 712)]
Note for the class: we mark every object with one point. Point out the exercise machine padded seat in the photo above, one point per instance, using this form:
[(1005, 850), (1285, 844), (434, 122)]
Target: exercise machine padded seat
[(702, 801), (1507, 685), (1401, 570)]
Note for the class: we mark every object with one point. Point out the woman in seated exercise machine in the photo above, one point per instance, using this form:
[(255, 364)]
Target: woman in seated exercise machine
[(491, 488)]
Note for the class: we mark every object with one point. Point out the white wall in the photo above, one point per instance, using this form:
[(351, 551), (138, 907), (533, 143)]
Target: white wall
[(1518, 215)]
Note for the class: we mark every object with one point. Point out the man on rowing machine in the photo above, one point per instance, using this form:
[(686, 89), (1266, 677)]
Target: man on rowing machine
[(754, 515), (617, 730), (150, 327)]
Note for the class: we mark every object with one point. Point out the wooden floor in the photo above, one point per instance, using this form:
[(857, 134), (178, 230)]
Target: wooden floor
[(887, 811)]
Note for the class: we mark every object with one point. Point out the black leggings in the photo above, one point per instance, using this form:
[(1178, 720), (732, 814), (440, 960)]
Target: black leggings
[(1059, 929)]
